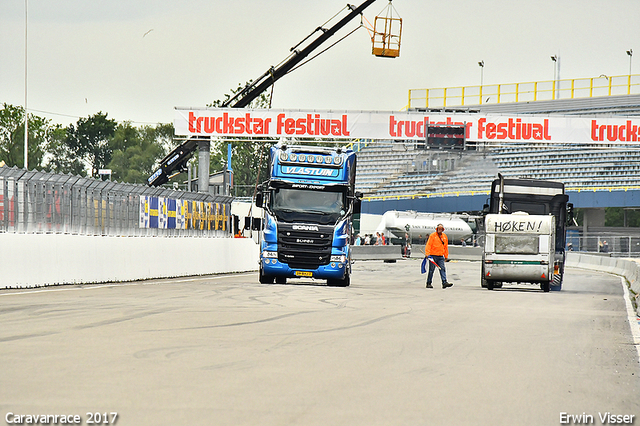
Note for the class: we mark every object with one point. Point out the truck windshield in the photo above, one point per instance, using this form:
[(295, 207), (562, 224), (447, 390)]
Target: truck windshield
[(323, 207)]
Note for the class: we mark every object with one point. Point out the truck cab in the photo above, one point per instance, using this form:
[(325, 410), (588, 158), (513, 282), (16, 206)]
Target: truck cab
[(308, 203)]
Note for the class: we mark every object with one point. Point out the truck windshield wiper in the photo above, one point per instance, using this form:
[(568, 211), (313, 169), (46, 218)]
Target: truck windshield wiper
[(319, 212)]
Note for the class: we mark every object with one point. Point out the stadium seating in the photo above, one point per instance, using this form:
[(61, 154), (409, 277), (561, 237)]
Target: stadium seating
[(384, 171)]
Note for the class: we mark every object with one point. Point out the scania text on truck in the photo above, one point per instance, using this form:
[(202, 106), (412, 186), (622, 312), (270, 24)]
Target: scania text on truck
[(534, 197), (308, 203)]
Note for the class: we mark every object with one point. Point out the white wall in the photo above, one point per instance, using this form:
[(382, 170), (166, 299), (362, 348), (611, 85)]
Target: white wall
[(628, 268), (28, 260)]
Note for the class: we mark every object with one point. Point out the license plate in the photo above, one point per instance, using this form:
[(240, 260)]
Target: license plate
[(304, 274)]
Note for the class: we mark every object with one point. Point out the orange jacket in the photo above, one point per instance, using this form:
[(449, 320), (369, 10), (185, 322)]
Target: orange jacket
[(437, 247)]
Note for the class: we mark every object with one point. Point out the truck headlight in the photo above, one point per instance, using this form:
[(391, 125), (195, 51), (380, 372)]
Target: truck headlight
[(339, 258), (270, 254)]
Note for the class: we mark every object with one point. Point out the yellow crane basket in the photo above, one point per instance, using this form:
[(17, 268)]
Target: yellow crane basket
[(387, 32)]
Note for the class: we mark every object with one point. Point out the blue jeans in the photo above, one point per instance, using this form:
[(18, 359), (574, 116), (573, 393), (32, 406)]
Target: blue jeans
[(443, 273)]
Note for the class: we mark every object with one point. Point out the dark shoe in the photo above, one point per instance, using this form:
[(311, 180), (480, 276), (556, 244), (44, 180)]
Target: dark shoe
[(429, 285), (447, 285)]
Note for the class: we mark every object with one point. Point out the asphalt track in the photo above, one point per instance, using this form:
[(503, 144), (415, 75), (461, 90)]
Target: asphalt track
[(225, 350)]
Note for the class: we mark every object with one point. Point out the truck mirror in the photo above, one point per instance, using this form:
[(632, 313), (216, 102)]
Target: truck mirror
[(236, 224), (485, 208), (357, 205), (259, 199), (256, 224)]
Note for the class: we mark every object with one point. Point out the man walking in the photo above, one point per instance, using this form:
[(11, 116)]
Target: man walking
[(437, 252)]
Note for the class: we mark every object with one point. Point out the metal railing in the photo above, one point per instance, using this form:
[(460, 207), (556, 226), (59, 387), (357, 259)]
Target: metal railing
[(39, 202), (611, 245), (525, 92)]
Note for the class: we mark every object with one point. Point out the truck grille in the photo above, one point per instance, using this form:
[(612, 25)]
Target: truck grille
[(304, 249)]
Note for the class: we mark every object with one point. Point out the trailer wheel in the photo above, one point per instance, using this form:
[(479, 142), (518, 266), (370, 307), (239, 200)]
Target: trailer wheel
[(489, 284), (546, 286)]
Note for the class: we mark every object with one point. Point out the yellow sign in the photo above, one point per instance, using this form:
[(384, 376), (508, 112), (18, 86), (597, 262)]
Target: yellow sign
[(304, 274)]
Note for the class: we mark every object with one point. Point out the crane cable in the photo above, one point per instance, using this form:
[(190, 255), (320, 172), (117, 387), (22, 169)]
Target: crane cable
[(322, 51)]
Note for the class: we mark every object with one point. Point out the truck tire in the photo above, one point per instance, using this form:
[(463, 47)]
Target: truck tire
[(546, 286), (489, 284), (265, 279), (483, 281), (281, 280), (340, 283)]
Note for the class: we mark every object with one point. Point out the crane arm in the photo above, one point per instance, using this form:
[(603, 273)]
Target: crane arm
[(176, 160), (253, 90)]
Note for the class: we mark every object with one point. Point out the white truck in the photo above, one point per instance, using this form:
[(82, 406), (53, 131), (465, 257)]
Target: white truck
[(519, 247)]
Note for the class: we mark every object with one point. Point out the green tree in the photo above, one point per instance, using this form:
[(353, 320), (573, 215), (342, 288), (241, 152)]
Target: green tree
[(615, 216), (12, 137), (60, 157), (137, 150), (89, 140)]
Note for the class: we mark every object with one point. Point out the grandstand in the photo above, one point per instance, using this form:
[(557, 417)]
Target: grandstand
[(382, 172), (392, 169), (397, 169)]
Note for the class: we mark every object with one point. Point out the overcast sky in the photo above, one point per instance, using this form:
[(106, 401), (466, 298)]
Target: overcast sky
[(86, 56)]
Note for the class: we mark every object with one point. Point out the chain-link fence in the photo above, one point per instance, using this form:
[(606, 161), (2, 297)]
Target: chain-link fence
[(39, 202)]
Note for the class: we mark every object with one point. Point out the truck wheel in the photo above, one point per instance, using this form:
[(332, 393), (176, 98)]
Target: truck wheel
[(489, 284), (265, 279), (340, 283), (281, 280)]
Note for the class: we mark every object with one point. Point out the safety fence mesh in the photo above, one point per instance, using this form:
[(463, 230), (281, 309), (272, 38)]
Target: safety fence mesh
[(40, 202)]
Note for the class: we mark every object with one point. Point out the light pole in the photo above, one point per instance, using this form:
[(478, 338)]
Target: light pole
[(26, 115), (630, 53), (556, 67), (481, 64)]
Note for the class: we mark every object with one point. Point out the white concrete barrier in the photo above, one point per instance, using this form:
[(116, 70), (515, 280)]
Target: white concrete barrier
[(31, 260), (376, 252), (628, 268)]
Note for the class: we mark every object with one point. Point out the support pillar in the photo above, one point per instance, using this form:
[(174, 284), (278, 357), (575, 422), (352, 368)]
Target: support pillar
[(593, 218), (204, 155)]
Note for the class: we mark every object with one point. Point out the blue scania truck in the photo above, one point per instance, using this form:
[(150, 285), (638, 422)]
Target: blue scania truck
[(308, 204)]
